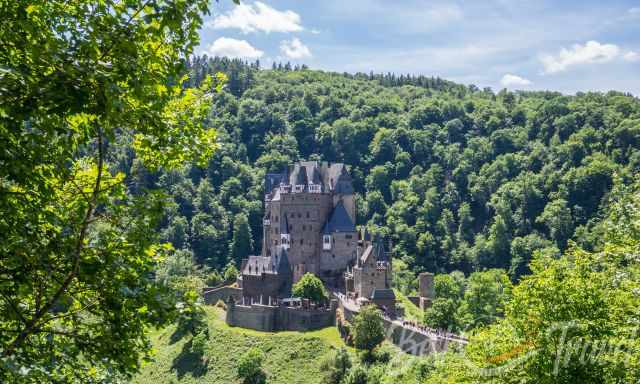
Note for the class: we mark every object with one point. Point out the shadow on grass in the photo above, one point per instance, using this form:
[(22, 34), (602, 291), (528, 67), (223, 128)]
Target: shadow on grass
[(189, 362), (178, 334)]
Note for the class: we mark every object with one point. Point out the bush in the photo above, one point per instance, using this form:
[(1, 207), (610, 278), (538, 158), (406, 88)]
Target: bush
[(250, 367), (357, 375), (230, 273), (213, 279), (221, 304)]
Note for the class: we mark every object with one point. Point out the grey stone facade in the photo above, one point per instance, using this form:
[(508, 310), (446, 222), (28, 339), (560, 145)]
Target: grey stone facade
[(310, 211), (371, 278), (308, 226)]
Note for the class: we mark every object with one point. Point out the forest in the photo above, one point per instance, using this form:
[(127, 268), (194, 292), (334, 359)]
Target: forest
[(460, 179)]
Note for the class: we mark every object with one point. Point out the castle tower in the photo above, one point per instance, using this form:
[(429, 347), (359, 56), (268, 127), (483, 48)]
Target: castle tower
[(310, 211)]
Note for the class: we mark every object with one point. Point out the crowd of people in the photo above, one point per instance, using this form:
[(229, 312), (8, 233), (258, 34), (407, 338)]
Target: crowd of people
[(431, 331)]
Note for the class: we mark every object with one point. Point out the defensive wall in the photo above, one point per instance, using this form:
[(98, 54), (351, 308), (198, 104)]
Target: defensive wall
[(212, 295), (272, 318)]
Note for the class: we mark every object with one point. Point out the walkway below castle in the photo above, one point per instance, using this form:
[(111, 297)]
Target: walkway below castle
[(410, 332)]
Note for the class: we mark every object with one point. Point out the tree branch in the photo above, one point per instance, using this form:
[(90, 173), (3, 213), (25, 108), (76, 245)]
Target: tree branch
[(33, 323)]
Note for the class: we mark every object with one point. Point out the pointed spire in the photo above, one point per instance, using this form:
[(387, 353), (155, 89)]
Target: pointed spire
[(284, 225)]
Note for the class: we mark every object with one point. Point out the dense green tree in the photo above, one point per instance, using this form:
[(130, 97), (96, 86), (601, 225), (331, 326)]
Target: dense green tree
[(76, 290), (310, 287), (336, 367), (484, 298), (558, 220), (368, 329), (241, 242)]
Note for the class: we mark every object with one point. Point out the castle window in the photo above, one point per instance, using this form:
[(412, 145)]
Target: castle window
[(276, 218), (304, 227), (299, 215), (326, 242), (307, 214), (291, 227), (333, 255), (301, 241)]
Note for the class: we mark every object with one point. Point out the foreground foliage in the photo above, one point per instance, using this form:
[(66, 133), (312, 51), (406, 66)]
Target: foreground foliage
[(78, 250), (575, 319)]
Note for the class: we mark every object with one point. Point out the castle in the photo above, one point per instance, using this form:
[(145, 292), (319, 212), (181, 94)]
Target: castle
[(309, 226)]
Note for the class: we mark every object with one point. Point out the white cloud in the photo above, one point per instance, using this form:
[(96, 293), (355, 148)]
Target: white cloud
[(225, 46), (634, 12), (445, 13), (632, 56), (510, 80), (258, 17), (294, 49), (589, 53)]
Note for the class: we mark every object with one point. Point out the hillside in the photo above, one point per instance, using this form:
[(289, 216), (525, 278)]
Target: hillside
[(458, 178), (290, 357)]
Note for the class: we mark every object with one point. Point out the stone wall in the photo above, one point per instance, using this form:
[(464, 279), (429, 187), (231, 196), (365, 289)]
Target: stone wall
[(211, 296), (426, 286), (264, 285), (342, 253), (279, 318)]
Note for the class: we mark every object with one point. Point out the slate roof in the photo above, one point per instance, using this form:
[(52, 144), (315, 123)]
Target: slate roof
[(273, 180), (284, 224), (339, 221), (257, 265), (281, 260), (383, 294), (378, 247), (299, 175), (331, 177), (366, 254)]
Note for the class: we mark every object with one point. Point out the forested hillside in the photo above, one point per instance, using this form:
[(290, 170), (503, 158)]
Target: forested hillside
[(459, 178)]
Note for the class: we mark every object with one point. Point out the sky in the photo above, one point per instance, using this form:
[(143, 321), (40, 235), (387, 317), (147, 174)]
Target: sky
[(566, 46)]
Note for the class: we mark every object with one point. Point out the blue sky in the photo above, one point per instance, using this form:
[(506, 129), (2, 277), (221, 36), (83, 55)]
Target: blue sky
[(567, 46)]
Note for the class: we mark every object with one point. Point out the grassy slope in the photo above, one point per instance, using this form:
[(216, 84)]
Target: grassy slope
[(290, 357), (411, 311)]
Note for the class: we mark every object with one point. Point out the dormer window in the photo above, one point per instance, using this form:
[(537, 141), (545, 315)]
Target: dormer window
[(314, 188), (326, 242), (285, 239), (298, 188)]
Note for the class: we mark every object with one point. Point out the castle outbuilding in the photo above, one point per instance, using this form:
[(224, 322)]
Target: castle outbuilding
[(370, 280)]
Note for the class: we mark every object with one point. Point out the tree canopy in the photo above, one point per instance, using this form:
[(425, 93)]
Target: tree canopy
[(78, 80), (310, 287)]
